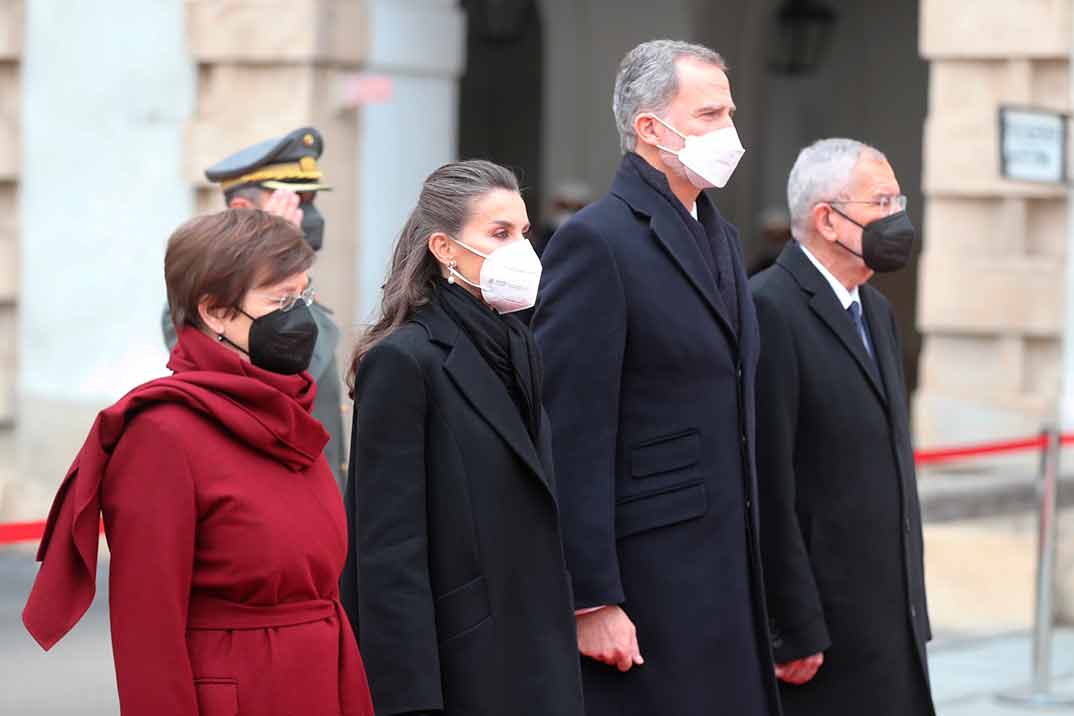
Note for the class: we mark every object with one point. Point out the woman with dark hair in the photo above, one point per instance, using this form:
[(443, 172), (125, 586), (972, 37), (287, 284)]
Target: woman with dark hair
[(456, 581), (223, 518)]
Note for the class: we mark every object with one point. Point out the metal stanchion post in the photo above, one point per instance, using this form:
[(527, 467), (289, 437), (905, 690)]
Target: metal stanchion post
[(1039, 693)]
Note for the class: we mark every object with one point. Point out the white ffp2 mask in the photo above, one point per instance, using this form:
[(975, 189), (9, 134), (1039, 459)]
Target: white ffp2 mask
[(711, 157), (510, 276)]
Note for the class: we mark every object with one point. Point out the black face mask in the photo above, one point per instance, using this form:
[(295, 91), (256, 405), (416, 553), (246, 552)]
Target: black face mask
[(312, 226), (886, 244), (281, 341)]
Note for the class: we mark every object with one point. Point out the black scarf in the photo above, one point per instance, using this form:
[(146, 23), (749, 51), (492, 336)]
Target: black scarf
[(505, 343)]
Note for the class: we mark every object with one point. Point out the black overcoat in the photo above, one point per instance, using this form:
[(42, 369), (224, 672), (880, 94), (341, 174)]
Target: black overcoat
[(456, 582), (649, 387), (842, 540)]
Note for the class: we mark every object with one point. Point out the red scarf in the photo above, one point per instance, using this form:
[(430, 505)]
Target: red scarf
[(266, 411)]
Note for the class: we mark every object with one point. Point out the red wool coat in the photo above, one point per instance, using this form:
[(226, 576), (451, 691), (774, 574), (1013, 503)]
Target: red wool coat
[(227, 537)]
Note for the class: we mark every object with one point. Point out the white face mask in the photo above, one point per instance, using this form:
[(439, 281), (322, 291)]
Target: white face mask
[(711, 158), (510, 276)]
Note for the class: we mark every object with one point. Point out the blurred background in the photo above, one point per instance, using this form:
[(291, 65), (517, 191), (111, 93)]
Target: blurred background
[(110, 111)]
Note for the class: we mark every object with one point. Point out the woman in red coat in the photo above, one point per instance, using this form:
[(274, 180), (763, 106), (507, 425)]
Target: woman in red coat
[(225, 526)]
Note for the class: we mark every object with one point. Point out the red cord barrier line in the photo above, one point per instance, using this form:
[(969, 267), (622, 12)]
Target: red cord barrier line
[(21, 532), (948, 454), (12, 532), (24, 531)]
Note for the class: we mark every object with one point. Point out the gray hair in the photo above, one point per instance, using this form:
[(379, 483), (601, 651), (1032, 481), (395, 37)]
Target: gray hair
[(822, 172), (648, 81), (444, 205), (253, 193)]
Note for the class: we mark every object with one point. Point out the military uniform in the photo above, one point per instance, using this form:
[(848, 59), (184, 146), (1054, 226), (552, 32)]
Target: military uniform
[(290, 162)]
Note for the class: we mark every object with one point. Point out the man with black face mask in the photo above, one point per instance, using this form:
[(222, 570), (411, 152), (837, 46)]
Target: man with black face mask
[(281, 176), (841, 544)]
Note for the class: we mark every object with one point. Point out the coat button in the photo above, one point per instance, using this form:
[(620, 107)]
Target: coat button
[(749, 504), (913, 611)]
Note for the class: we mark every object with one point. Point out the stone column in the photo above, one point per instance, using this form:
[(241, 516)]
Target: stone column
[(11, 32), (992, 272), (104, 96), (266, 67), (11, 18), (420, 48)]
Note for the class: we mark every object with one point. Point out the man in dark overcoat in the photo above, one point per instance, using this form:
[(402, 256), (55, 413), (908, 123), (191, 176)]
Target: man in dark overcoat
[(842, 541), (650, 346)]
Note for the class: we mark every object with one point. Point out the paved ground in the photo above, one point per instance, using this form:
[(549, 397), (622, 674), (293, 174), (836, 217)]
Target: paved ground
[(968, 674), (76, 677)]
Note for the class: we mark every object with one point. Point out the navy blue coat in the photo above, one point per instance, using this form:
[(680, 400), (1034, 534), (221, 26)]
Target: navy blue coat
[(649, 387)]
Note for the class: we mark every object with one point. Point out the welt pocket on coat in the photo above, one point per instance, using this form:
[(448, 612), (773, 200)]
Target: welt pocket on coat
[(664, 454), (217, 696), (660, 508), (461, 609)]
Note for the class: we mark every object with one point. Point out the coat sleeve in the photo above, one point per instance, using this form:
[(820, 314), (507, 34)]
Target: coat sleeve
[(580, 325), (396, 619), (797, 616), (150, 517)]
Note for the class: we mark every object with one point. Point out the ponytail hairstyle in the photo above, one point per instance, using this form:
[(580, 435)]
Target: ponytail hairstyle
[(444, 205)]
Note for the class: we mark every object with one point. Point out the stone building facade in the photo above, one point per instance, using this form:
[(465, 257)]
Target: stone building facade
[(992, 282), (122, 134), (11, 20), (117, 133)]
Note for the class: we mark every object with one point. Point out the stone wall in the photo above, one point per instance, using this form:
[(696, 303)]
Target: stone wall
[(11, 24), (266, 67), (991, 283), (117, 137), (11, 21), (97, 158)]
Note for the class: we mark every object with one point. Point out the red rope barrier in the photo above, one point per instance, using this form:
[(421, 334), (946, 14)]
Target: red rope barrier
[(33, 531), (928, 457), (12, 532), (21, 532)]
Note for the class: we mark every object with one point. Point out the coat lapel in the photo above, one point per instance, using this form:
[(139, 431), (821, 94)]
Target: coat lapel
[(676, 239), (827, 307), (887, 353), (667, 226), (748, 335), (485, 392)]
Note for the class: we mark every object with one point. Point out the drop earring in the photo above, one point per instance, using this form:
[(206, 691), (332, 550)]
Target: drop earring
[(451, 272)]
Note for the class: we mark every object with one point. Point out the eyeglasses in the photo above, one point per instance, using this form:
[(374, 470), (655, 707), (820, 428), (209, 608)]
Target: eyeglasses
[(888, 204), (286, 302)]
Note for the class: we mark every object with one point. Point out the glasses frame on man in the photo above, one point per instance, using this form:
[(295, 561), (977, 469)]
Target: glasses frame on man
[(888, 203)]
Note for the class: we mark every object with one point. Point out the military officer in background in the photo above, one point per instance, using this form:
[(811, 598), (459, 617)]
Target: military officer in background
[(281, 176)]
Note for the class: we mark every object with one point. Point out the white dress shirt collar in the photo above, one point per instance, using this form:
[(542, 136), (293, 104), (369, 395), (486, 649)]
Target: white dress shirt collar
[(845, 297)]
